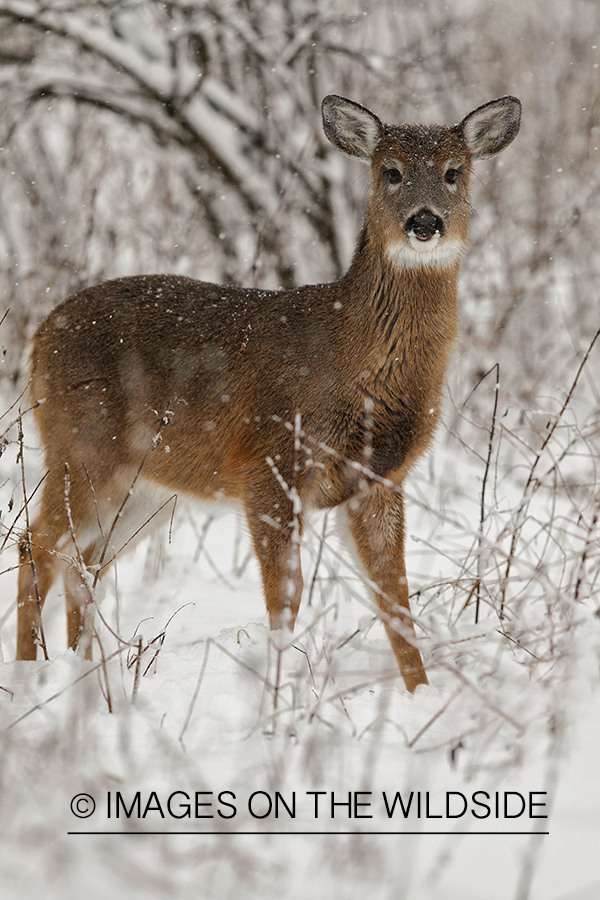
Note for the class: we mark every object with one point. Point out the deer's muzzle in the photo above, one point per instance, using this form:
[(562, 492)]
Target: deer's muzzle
[(424, 224)]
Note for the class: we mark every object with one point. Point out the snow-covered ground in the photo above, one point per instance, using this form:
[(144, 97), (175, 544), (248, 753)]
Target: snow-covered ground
[(204, 772)]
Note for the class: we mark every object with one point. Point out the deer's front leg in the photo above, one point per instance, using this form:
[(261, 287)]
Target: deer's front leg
[(276, 528), (376, 520)]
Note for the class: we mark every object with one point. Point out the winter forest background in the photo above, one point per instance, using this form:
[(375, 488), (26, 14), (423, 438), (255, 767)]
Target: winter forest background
[(185, 137)]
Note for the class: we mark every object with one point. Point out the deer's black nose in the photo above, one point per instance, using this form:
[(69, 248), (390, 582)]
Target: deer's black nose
[(424, 224)]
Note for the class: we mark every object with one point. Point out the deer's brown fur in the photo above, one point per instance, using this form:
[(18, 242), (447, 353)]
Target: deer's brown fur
[(318, 397)]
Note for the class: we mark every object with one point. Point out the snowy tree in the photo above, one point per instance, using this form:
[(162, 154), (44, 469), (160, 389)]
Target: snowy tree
[(186, 137)]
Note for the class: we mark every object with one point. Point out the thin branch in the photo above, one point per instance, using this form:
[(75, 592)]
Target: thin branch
[(526, 491), (485, 478)]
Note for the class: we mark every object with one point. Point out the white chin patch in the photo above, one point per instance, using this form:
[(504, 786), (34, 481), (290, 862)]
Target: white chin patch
[(413, 253)]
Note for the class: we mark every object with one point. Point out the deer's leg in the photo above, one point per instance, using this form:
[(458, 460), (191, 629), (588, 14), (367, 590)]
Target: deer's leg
[(276, 529), (376, 520), (39, 559), (80, 605), (37, 571)]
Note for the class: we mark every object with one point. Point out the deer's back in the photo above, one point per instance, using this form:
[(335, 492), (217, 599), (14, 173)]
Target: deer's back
[(210, 378), (215, 369)]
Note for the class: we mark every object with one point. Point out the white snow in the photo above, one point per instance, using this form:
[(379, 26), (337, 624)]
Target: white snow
[(203, 718)]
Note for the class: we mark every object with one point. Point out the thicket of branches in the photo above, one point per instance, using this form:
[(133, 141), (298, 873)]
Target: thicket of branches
[(186, 137)]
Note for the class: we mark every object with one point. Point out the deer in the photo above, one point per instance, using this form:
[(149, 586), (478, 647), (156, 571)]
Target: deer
[(280, 401)]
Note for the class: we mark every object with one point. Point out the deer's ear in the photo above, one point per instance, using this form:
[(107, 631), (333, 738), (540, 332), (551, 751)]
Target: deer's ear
[(350, 127), (490, 128)]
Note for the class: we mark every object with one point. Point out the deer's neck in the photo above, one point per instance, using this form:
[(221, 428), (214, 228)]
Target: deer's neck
[(404, 320), (409, 313)]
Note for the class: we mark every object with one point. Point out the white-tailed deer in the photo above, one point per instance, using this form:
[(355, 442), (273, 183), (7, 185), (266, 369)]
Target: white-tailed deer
[(318, 397)]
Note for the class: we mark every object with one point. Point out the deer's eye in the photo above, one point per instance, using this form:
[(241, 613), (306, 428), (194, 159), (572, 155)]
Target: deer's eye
[(452, 176), (393, 176)]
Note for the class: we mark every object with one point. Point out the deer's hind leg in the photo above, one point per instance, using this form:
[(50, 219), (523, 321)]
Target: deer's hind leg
[(38, 564), (67, 512), (40, 559), (128, 510), (376, 520), (79, 601)]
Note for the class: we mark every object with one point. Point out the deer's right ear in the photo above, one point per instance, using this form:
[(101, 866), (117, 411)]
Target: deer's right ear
[(350, 127), (491, 127)]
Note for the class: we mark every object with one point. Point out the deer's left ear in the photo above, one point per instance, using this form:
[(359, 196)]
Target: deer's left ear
[(490, 128), (350, 127)]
